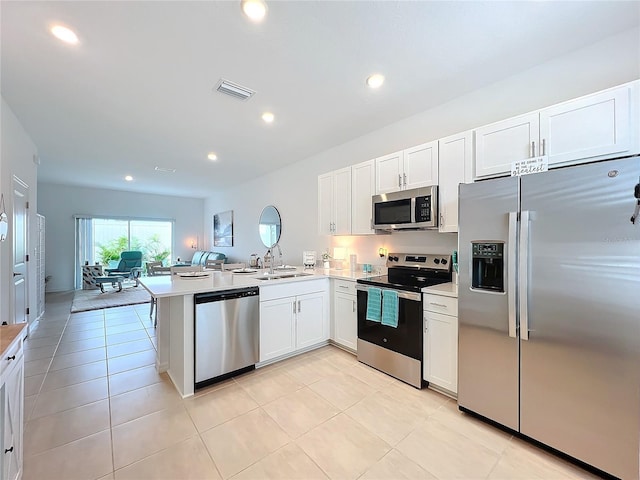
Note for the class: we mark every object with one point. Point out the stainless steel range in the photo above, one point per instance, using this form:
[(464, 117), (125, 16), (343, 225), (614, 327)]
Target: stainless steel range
[(397, 351)]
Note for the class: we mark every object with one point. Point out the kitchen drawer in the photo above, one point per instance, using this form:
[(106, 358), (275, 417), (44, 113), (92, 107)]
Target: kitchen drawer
[(280, 289), (440, 304), (344, 286), (13, 353)]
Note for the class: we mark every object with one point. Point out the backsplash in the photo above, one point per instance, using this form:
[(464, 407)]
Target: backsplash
[(367, 247)]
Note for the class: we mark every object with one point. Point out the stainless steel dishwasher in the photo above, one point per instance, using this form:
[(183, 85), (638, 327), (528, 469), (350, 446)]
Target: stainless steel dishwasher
[(227, 334)]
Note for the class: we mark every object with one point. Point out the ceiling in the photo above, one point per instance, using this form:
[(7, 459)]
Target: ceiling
[(138, 90)]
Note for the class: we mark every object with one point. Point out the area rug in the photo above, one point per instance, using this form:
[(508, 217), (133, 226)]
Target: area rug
[(85, 300)]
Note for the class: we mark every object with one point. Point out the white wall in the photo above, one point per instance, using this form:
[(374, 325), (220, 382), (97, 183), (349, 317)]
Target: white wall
[(59, 204), (16, 159), (293, 190)]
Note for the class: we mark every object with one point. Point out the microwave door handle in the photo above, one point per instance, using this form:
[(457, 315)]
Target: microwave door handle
[(413, 210), (511, 272)]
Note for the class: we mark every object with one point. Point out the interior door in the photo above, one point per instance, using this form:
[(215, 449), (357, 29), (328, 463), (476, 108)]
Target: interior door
[(580, 377), (487, 346), (20, 250)]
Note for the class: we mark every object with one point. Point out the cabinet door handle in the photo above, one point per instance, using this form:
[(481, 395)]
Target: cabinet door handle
[(354, 305), (533, 149), (399, 181), (299, 306), (294, 306), (438, 304), (342, 286), (12, 357), (544, 147), (7, 450), (404, 177), (425, 321), (441, 219)]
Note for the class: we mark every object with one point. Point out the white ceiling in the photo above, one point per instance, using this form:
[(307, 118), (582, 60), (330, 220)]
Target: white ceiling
[(137, 92)]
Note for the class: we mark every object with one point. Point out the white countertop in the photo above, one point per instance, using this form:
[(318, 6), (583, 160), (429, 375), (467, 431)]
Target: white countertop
[(169, 286), (444, 289)]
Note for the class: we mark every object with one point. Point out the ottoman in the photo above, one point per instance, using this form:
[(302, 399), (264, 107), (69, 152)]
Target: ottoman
[(112, 280)]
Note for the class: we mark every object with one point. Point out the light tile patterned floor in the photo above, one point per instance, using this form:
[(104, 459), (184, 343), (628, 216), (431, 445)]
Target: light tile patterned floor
[(95, 408)]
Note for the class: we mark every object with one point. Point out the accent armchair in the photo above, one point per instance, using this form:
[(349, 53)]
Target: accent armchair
[(130, 266)]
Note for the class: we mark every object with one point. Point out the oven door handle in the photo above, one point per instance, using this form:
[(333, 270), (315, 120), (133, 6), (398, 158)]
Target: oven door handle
[(414, 297)]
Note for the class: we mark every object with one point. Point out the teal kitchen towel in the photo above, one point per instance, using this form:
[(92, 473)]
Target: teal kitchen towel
[(390, 308), (374, 300)]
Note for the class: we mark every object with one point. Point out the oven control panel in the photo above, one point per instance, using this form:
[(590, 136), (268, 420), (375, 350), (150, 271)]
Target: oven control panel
[(420, 260)]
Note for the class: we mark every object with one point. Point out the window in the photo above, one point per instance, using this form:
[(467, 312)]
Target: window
[(100, 240)]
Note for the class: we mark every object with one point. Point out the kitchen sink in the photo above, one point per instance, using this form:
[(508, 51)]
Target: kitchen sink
[(278, 276)]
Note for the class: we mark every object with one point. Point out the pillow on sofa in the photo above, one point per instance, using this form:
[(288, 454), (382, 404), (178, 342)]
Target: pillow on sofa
[(200, 257)]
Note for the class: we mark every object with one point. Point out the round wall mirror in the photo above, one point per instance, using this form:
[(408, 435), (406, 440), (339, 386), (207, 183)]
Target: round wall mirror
[(270, 226)]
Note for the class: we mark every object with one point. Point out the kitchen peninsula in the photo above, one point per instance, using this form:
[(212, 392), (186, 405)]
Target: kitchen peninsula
[(176, 314)]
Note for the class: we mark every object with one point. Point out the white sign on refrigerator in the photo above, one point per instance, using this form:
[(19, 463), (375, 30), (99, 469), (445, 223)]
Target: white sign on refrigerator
[(530, 165)]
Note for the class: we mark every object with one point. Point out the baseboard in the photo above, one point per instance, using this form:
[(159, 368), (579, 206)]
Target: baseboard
[(292, 354)]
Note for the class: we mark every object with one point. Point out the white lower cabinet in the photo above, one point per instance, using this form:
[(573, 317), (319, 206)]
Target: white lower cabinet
[(311, 320), (440, 365), (345, 314), (277, 328), (11, 413), (293, 317)]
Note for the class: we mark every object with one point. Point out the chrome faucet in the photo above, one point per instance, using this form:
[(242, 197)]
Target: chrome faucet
[(279, 254), (268, 260)]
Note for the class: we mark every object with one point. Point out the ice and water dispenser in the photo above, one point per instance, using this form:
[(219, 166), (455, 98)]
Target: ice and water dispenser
[(487, 268)]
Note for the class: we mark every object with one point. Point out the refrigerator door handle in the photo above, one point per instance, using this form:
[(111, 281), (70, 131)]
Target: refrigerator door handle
[(524, 274), (511, 273)]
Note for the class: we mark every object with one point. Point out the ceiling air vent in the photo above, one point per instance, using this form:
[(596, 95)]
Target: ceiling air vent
[(233, 89), (165, 170)]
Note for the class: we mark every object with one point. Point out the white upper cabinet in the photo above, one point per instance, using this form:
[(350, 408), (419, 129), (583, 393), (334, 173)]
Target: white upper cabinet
[(334, 202), (342, 199), (501, 143), (363, 178), (595, 126), (411, 168), (389, 171), (587, 127), (325, 204), (421, 166), (455, 167)]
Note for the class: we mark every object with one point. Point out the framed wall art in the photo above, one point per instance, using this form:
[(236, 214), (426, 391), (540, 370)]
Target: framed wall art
[(223, 229)]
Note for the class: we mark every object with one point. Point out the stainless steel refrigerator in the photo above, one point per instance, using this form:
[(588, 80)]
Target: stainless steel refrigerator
[(549, 309)]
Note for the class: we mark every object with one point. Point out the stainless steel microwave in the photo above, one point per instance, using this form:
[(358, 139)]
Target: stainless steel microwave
[(407, 209)]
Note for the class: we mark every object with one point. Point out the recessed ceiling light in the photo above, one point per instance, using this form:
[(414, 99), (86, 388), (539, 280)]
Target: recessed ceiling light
[(212, 156), (64, 34), (128, 178), (375, 81), (268, 117), (254, 9)]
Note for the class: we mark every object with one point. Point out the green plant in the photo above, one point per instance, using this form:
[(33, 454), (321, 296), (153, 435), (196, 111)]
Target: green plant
[(112, 249), (154, 250)]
